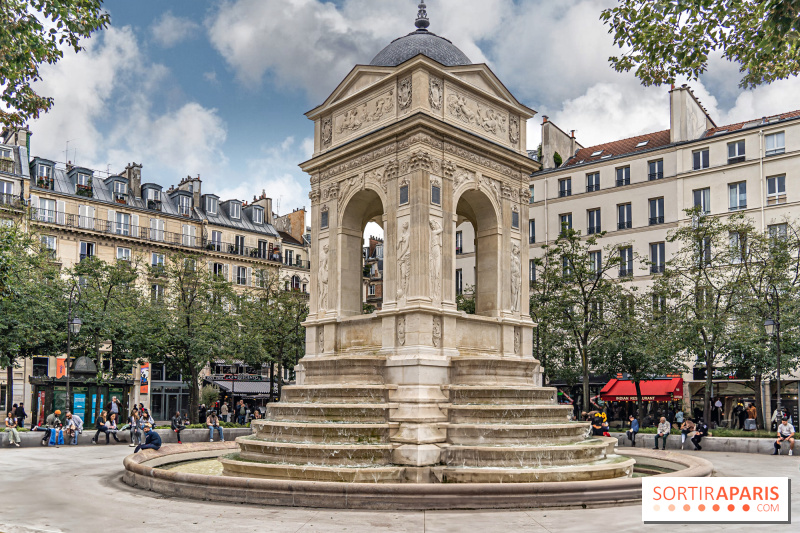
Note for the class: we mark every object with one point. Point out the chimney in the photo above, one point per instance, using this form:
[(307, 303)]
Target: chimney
[(265, 203), (196, 186), (133, 172), (688, 119), (555, 141)]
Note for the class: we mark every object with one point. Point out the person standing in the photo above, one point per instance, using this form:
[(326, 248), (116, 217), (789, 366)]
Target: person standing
[(152, 440), (242, 412), (114, 407), (202, 413), (213, 424), (785, 433), (177, 425), (11, 429), (633, 430), (74, 427), (679, 418), (21, 415), (701, 430), (135, 429), (663, 432), (101, 427), (224, 412), (686, 428)]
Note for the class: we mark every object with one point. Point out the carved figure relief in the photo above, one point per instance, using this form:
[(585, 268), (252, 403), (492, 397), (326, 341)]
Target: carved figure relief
[(314, 196), (404, 92), (435, 94), (321, 337), (327, 131), (462, 176), (516, 277), (330, 192), (435, 260), (513, 129), (401, 331), (378, 176), (403, 261), (323, 278), (517, 341), (484, 117), (437, 331), (383, 106), (493, 186), (345, 188), (354, 118)]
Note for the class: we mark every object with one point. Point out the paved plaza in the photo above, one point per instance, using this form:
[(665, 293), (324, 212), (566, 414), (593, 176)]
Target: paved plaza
[(79, 490)]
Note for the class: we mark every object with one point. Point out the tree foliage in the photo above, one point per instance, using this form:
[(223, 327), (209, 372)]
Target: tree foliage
[(667, 39), (34, 32)]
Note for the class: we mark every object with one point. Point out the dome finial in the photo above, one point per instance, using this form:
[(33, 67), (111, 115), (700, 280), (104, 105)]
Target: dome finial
[(422, 22)]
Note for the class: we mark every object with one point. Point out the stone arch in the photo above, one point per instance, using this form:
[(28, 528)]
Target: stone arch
[(365, 205), (475, 206)]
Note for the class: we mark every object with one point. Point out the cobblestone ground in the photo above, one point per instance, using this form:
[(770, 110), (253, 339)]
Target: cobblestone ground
[(78, 490)]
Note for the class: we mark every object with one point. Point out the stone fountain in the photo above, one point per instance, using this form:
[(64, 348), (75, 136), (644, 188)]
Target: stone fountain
[(420, 141)]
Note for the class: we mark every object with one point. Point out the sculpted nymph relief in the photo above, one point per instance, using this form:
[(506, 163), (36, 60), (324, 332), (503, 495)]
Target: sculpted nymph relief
[(347, 186), (517, 340), (484, 117), (323, 278), (354, 118), (401, 331), (321, 336), (516, 277), (513, 129), (403, 261), (437, 331), (435, 261)]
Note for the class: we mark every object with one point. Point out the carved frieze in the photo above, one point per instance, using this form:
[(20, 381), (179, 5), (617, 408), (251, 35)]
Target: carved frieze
[(420, 138), (326, 132), (378, 176), (435, 93), (353, 119), (331, 192), (437, 331), (462, 176), (482, 116), (365, 159), (404, 92), (484, 161), (494, 186)]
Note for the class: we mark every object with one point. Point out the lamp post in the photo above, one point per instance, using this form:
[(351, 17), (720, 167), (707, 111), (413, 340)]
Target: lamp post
[(774, 329), (73, 328)]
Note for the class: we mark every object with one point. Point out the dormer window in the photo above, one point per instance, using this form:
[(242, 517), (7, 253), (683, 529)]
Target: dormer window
[(120, 192), (258, 215), (153, 198), (211, 205), (5, 153), (44, 171), (83, 179), (83, 185), (185, 205), (236, 210)]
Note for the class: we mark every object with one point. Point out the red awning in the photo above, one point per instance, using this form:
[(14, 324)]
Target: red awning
[(657, 390)]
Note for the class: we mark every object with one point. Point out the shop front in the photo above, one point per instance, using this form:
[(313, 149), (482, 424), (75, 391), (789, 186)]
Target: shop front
[(661, 397)]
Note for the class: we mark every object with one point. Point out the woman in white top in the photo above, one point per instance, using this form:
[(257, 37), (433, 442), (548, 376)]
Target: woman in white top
[(11, 429), (111, 426)]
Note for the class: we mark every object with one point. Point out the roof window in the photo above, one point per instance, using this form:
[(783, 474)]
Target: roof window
[(606, 156), (643, 143), (595, 154)]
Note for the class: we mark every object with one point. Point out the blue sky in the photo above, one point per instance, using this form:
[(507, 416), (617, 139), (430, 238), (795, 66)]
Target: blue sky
[(219, 88)]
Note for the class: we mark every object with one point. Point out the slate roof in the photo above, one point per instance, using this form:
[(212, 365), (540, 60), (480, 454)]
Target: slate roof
[(420, 42), (244, 223), (751, 123), (288, 239), (658, 139)]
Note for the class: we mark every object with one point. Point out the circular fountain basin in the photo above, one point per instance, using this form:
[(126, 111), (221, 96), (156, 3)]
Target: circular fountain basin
[(163, 471)]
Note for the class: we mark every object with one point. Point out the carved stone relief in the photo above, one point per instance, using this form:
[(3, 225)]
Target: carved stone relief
[(482, 116), (401, 331), (321, 339), (517, 340), (463, 175), (323, 278), (331, 192), (327, 132), (494, 186), (346, 186), (437, 331), (353, 119), (435, 93), (314, 196), (513, 129), (388, 150), (516, 277), (422, 160), (435, 260), (403, 261), (404, 94), (378, 176)]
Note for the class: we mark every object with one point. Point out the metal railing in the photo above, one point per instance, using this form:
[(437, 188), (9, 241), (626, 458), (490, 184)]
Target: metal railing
[(624, 181), (592, 188), (655, 176), (44, 183), (624, 224), (625, 272), (656, 269), (564, 193), (594, 229), (656, 220)]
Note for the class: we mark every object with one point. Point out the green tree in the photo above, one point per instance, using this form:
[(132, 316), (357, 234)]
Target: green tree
[(465, 301), (34, 32), (667, 39)]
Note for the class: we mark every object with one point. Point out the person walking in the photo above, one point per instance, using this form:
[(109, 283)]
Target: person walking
[(21, 415), (213, 424), (224, 412), (111, 427), (177, 425), (785, 433), (152, 440), (11, 429), (633, 430), (686, 428), (663, 432), (701, 430), (74, 427), (135, 429), (101, 427)]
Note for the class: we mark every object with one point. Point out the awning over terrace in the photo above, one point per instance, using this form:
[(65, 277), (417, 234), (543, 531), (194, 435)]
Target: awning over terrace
[(657, 390)]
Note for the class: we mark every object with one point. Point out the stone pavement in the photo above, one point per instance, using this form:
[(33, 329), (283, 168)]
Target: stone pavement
[(77, 489)]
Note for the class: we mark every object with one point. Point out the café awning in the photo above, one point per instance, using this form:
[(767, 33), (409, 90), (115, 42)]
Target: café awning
[(657, 390)]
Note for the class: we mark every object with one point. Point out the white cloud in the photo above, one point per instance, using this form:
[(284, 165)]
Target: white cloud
[(169, 30)]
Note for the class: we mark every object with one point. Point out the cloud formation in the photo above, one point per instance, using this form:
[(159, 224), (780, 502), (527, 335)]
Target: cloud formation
[(169, 30)]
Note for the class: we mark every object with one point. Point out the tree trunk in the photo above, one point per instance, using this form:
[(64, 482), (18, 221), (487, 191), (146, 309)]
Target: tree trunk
[(759, 401), (585, 365), (98, 407), (707, 392), (194, 397), (639, 402), (10, 386), (271, 379)]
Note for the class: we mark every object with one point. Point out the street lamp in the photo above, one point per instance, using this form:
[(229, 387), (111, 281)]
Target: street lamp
[(773, 329), (73, 328)]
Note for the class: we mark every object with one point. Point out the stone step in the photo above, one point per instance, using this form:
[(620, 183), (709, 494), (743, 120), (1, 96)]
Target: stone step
[(608, 468), (332, 412), (521, 394), (524, 456), (375, 474), (516, 434), (332, 433), (510, 414), (486, 371), (335, 393), (316, 454), (350, 370)]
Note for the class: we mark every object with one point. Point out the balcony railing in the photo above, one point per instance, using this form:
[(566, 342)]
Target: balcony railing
[(7, 166), (656, 220), (737, 159), (626, 224), (83, 190), (737, 207), (564, 193), (592, 188), (120, 198), (655, 176), (154, 205), (626, 181), (625, 272), (594, 229), (44, 183), (656, 269), (10, 200)]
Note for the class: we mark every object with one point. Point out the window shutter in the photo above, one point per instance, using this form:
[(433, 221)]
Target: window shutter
[(60, 208), (225, 270), (193, 233), (35, 206), (249, 276), (112, 217), (211, 269), (135, 226)]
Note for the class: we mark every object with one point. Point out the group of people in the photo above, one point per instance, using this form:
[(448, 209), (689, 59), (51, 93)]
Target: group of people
[(240, 413), (697, 430)]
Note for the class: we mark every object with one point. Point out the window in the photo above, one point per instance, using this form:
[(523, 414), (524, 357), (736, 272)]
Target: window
[(403, 194), (566, 268), (216, 241), (775, 143), (6, 191), (596, 261), (700, 159), (531, 231), (776, 190), (459, 242), (736, 152), (47, 210), (323, 219), (702, 199), (566, 223), (157, 260), (595, 154), (595, 310), (44, 171), (778, 231), (86, 217), (371, 290), (564, 187), (188, 235), (705, 251), (120, 192), (211, 205), (436, 195), (626, 261), (156, 293), (531, 189), (218, 269), (153, 195), (459, 281), (655, 170), (123, 254), (736, 245), (239, 245), (624, 216), (241, 275), (258, 215), (5, 153), (87, 250), (642, 143), (515, 219), (659, 306), (123, 224), (737, 194), (236, 210), (657, 259), (262, 249), (156, 229), (83, 180), (623, 176), (594, 221), (49, 244), (532, 271), (185, 205), (288, 257), (656, 211), (593, 182)]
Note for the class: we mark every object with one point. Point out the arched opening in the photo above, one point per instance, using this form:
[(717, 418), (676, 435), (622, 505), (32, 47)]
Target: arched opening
[(478, 233), (295, 283), (364, 207)]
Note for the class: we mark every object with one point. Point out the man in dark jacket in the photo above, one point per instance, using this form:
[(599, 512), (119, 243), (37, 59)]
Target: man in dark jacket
[(114, 406), (701, 430), (21, 415), (177, 425), (152, 440)]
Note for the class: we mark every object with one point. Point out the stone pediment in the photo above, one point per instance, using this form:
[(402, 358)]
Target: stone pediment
[(358, 80), (481, 77)]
